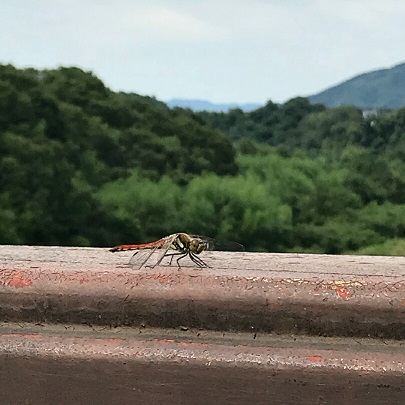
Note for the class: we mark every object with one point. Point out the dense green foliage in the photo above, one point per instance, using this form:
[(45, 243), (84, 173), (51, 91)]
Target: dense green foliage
[(82, 165), (314, 128), (63, 135), (378, 89)]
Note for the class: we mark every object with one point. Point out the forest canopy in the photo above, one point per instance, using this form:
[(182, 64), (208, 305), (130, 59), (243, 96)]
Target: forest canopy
[(83, 165)]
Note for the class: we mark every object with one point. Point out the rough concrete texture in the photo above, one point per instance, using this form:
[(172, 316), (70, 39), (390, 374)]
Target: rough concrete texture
[(302, 294), (82, 326)]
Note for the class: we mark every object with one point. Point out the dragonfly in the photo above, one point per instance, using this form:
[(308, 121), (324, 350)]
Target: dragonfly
[(177, 244)]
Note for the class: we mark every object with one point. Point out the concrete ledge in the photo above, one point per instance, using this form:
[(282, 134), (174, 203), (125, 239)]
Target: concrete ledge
[(49, 369), (283, 293), (81, 326)]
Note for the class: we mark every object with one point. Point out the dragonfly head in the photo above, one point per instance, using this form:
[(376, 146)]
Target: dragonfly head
[(197, 245)]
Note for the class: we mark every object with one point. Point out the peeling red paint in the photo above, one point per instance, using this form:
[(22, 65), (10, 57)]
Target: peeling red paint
[(84, 280), (21, 335), (186, 344), (164, 340), (19, 281), (403, 302), (189, 344), (164, 279), (343, 292), (315, 359)]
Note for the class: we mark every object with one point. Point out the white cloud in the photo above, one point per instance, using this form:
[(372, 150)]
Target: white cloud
[(164, 24), (230, 50)]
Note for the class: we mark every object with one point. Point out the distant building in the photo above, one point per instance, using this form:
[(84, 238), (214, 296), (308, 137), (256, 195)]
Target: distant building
[(372, 112)]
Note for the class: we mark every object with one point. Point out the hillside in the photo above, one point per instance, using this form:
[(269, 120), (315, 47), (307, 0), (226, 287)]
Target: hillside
[(205, 105), (314, 128), (64, 135), (382, 89), (83, 165)]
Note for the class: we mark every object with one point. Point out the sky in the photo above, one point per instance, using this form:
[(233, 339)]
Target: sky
[(218, 50)]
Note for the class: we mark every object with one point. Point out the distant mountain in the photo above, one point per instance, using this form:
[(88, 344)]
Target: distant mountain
[(383, 88), (204, 105)]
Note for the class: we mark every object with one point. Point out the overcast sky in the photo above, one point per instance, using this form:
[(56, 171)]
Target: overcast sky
[(219, 50)]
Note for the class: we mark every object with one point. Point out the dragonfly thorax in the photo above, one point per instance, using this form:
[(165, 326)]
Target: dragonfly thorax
[(185, 243)]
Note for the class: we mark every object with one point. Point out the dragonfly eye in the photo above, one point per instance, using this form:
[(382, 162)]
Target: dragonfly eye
[(202, 246), (197, 246)]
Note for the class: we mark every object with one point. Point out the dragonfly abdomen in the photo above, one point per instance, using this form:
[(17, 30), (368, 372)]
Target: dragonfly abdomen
[(150, 245)]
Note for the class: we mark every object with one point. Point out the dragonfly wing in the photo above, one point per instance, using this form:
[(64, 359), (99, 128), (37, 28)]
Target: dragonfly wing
[(140, 258), (165, 247), (227, 246), (152, 256)]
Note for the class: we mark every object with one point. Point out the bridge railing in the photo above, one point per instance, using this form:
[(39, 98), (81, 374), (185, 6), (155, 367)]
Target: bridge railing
[(80, 325)]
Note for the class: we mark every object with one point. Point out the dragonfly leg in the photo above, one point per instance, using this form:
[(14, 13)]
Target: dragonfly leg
[(199, 262), (181, 254), (181, 257), (172, 255)]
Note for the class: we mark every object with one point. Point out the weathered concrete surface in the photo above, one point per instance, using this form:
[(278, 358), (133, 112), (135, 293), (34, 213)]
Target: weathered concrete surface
[(46, 369), (280, 293), (80, 326)]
